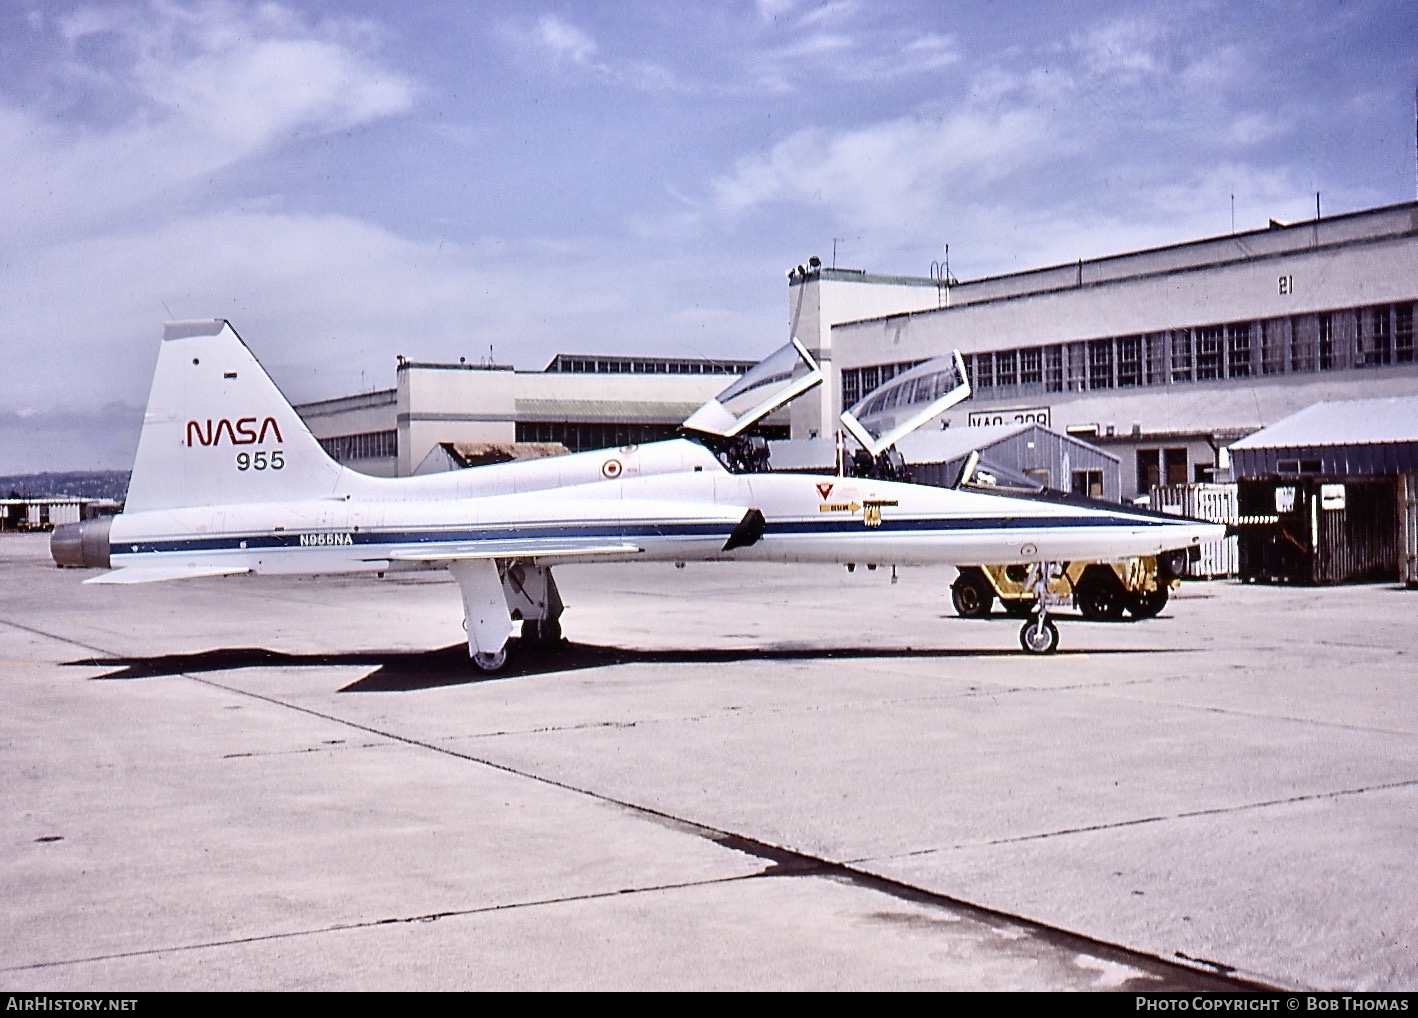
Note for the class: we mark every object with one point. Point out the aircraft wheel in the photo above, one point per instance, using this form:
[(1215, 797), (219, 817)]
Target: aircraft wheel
[(1148, 604), (1039, 642), (972, 595), (1100, 598), (493, 662), (543, 634)]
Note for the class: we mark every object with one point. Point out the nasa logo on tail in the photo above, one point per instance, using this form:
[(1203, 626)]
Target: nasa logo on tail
[(243, 432)]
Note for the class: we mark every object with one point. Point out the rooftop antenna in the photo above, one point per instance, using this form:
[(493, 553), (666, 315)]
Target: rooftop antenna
[(1233, 213), (843, 239)]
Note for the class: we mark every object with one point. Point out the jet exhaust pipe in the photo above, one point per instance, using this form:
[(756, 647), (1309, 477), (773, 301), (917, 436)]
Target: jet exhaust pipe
[(82, 545)]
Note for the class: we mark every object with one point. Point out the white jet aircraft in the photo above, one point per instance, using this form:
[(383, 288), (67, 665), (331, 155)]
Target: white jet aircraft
[(229, 480)]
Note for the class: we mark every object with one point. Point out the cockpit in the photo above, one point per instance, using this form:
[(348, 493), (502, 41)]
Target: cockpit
[(871, 427)]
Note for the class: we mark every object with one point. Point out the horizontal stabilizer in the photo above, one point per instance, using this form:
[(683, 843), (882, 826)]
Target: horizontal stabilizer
[(155, 574)]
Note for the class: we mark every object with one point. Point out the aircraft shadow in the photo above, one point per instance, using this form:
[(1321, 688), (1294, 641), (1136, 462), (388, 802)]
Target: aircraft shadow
[(402, 671)]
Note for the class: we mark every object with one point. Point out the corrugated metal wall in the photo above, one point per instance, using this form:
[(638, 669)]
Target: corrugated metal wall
[(1408, 547), (1330, 460), (1319, 530)]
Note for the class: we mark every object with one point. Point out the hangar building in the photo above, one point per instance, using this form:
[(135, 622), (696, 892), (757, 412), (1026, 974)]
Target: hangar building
[(581, 401), (1162, 356)]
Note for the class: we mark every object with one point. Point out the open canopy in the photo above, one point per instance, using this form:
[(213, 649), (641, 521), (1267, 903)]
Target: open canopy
[(773, 382), (899, 406)]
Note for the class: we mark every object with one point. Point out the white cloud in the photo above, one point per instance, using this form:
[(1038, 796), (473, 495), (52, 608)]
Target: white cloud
[(1121, 47), (565, 41), (887, 176), (206, 88)]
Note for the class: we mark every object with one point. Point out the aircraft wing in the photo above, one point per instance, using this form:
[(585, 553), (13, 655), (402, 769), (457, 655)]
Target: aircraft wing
[(513, 549), (902, 404), (155, 574), (735, 526), (773, 382)]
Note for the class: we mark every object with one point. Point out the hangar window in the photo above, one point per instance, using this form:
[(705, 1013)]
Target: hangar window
[(1053, 369), (1378, 349), (1077, 366), (851, 386), (1007, 368), (1326, 342), (1272, 347), (1031, 366), (1100, 364), (1208, 353), (369, 445), (1238, 350), (1181, 355), (1156, 347), (1302, 343), (985, 370), (1403, 334), (1129, 362)]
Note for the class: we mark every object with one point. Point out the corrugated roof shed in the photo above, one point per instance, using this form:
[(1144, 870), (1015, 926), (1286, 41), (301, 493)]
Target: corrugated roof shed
[(1342, 437)]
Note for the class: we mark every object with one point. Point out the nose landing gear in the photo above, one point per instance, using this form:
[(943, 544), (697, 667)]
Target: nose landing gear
[(1040, 635)]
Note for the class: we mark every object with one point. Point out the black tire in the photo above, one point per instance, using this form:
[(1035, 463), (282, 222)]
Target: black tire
[(543, 634), (1035, 642), (1100, 596), (1146, 604), (1172, 565), (972, 595)]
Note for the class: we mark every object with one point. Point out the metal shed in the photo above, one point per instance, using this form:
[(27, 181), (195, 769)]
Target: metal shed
[(1039, 454), (1324, 494)]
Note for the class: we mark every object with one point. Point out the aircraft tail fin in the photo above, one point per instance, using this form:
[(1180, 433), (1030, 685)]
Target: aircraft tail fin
[(218, 431)]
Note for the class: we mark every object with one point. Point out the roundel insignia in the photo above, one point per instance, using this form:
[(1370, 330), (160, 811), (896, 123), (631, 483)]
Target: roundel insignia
[(611, 469)]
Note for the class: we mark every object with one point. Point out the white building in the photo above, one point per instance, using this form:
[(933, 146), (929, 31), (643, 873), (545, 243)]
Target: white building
[(581, 401)]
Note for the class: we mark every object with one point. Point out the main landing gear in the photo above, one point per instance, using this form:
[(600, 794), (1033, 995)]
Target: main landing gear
[(496, 592), (1040, 635)]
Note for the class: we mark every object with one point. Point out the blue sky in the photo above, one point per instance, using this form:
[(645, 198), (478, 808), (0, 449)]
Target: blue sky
[(350, 181)]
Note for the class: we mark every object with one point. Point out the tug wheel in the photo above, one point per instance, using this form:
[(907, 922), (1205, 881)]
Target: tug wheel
[(1147, 604), (1100, 596), (972, 595)]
